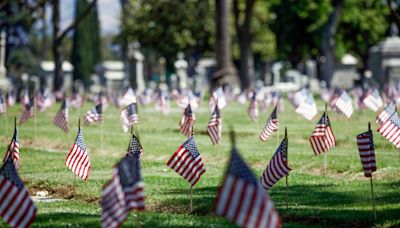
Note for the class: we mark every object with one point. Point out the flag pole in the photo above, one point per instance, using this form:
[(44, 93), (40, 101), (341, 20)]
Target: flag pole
[(372, 185), (286, 177), (74, 183), (191, 198), (326, 108), (6, 123), (34, 116)]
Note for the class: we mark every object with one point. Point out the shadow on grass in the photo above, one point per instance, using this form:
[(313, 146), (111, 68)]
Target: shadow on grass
[(66, 219)]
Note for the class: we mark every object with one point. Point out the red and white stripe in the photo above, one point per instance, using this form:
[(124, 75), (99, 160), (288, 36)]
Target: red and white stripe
[(78, 162), (117, 202), (391, 131), (367, 152), (276, 169), (186, 124), (186, 165), (16, 206), (91, 117), (13, 148), (246, 204), (214, 129), (322, 139), (61, 119), (271, 126)]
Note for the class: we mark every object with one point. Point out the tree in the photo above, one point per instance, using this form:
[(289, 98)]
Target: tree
[(86, 44), (297, 25), (225, 72), (363, 24), (58, 37), (327, 58), (243, 13)]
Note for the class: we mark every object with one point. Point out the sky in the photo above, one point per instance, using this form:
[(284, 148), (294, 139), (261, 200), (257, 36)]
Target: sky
[(109, 14)]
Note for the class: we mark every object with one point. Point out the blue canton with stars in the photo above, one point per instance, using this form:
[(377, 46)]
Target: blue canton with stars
[(134, 145), (325, 120), (98, 109), (9, 172), (282, 149), (80, 141), (238, 168), (129, 170), (395, 120), (188, 111), (190, 145)]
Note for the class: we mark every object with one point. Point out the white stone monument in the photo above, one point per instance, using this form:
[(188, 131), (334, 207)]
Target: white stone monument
[(4, 83), (137, 57), (181, 66)]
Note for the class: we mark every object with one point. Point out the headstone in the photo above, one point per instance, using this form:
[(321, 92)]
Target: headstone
[(137, 71), (4, 83), (181, 66)]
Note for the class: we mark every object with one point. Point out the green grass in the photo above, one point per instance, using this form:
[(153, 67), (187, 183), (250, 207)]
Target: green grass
[(341, 198)]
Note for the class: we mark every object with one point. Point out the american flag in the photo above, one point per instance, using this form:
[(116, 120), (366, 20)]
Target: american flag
[(10, 98), (342, 103), (373, 100), (135, 147), (129, 116), (94, 115), (78, 158), (128, 97), (186, 161), (253, 108), (3, 106), (271, 125), (76, 100), (16, 206), (123, 193), (40, 102), (217, 96), (27, 113), (391, 129), (365, 143), (277, 167), (386, 113), (187, 121), (61, 118), (214, 127), (162, 102), (307, 108), (322, 138), (25, 98), (242, 200), (13, 149)]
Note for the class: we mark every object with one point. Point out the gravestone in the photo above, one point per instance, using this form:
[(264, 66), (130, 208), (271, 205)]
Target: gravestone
[(136, 59), (181, 66), (384, 61), (4, 83)]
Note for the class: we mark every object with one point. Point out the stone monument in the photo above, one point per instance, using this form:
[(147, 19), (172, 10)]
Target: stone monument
[(4, 83), (181, 66), (136, 59)]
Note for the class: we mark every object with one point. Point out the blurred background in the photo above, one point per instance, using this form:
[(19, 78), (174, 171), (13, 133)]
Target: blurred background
[(104, 45)]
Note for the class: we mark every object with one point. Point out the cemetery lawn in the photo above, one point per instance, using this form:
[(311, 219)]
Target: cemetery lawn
[(341, 198)]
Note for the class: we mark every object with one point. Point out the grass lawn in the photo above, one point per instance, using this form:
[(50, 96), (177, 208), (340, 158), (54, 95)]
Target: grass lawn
[(341, 198)]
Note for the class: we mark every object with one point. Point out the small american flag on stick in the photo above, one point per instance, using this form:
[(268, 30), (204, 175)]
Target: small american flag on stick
[(123, 193), (129, 116), (27, 113), (78, 158), (373, 100), (13, 149), (242, 200), (16, 206), (187, 121), (186, 161), (94, 115), (3, 105), (214, 127), (391, 129), (386, 113), (271, 125), (342, 103), (61, 118), (365, 143), (135, 147), (322, 138), (253, 108), (277, 167)]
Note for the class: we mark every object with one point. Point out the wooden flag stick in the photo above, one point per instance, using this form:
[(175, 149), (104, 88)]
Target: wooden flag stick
[(372, 196), (191, 199), (325, 162), (34, 116), (286, 177), (138, 225)]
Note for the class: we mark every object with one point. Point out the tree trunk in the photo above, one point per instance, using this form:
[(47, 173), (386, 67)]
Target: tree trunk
[(246, 62), (225, 72), (327, 59), (57, 49)]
